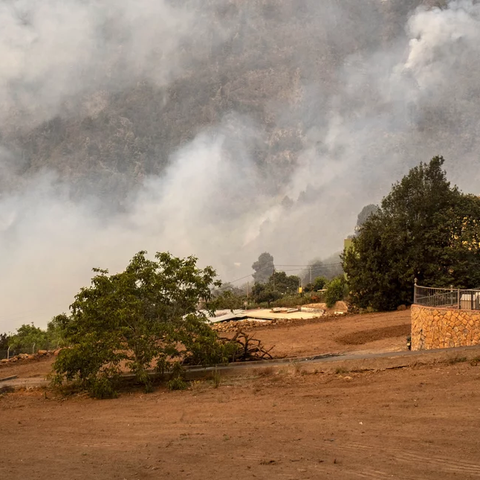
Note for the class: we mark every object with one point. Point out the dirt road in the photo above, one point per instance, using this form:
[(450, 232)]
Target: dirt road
[(415, 423)]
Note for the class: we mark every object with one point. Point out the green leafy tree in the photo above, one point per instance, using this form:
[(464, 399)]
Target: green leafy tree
[(265, 293), (264, 268), (336, 291), (319, 283), (425, 229), (278, 285), (29, 337), (283, 283), (146, 316), (55, 334)]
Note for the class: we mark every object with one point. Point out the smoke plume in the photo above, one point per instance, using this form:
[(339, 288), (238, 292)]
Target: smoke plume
[(320, 107)]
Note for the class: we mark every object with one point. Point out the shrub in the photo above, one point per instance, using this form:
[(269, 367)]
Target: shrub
[(336, 291)]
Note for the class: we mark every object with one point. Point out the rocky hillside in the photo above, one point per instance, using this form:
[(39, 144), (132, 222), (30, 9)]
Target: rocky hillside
[(270, 54)]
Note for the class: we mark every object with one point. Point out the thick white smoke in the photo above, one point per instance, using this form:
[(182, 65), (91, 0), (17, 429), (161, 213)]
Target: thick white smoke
[(56, 50), (395, 105)]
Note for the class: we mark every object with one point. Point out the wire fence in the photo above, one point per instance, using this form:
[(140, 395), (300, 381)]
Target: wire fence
[(447, 297), (12, 352), (27, 349)]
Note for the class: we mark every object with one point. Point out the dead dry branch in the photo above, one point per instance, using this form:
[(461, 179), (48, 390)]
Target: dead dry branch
[(249, 348)]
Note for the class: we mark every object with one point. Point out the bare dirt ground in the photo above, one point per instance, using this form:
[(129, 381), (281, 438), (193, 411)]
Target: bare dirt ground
[(378, 332), (413, 423)]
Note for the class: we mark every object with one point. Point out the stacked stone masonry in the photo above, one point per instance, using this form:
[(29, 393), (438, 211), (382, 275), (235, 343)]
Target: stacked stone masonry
[(444, 327)]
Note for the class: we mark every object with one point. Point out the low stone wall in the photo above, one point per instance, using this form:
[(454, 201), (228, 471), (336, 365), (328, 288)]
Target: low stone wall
[(444, 327)]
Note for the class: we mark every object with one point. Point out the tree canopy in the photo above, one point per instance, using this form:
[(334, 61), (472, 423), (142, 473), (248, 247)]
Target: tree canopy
[(425, 229), (146, 316), (278, 285), (32, 338)]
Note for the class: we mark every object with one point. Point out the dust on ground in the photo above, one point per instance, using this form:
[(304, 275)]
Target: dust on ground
[(413, 423)]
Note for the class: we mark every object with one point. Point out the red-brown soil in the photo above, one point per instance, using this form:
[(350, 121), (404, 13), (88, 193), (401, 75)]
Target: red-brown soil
[(414, 423), (378, 332)]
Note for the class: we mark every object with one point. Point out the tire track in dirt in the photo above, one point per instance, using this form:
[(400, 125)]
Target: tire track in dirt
[(374, 474), (448, 465)]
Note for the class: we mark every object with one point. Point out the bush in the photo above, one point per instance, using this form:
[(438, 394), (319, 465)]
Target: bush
[(336, 291), (177, 384)]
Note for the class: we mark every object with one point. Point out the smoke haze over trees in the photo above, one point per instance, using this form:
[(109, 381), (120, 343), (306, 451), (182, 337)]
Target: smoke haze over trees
[(219, 128), (264, 268)]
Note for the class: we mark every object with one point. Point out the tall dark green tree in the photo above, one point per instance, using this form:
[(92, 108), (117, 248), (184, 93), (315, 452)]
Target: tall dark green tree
[(425, 229)]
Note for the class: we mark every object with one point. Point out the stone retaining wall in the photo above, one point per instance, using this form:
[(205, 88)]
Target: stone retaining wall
[(444, 327)]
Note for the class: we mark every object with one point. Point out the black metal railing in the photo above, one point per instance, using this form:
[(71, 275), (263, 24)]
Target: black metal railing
[(447, 297)]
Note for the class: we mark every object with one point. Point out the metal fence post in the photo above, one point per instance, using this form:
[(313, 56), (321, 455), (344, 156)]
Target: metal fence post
[(447, 297)]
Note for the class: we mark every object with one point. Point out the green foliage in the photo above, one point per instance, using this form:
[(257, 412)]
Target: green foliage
[(29, 337), (177, 383), (425, 229), (143, 317), (229, 299), (336, 291), (264, 268), (103, 387), (216, 378), (279, 284), (283, 283), (4, 339), (265, 293), (290, 301), (55, 334), (319, 283)]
